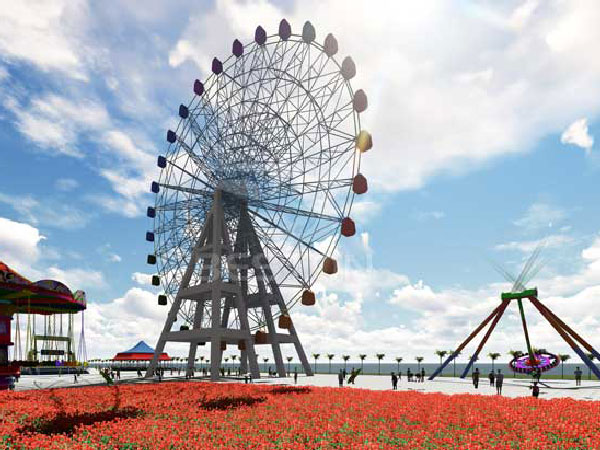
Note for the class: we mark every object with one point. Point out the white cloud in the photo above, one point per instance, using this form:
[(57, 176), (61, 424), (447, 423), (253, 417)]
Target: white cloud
[(114, 258), (56, 123), (107, 252), (19, 243), (75, 278), (540, 215), (48, 213), (44, 34), (443, 317), (142, 278), (117, 205), (521, 16), (577, 134), (365, 210), (486, 81), (428, 215), (66, 184), (20, 249), (552, 241), (118, 324)]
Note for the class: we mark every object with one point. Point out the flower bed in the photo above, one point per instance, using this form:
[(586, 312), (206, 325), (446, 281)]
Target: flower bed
[(231, 416)]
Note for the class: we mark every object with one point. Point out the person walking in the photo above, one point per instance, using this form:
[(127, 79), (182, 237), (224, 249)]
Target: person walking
[(535, 389), (341, 378), (491, 377), (499, 381), (475, 377), (409, 375), (295, 376), (394, 381), (577, 376), (422, 375)]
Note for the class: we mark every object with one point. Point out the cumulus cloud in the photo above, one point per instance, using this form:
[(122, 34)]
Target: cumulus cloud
[(440, 318), (20, 248), (540, 215), (577, 134), (19, 243), (118, 324), (490, 79), (45, 34)]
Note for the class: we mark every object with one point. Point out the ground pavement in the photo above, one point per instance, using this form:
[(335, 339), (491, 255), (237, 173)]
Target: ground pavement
[(589, 390)]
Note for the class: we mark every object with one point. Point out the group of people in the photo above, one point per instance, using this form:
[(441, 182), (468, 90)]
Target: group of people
[(496, 379), (418, 377), (342, 376)]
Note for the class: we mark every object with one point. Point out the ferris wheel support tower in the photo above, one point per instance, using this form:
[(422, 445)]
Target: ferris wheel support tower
[(212, 247)]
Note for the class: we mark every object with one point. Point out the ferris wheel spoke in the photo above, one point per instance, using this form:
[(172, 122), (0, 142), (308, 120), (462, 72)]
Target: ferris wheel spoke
[(286, 232), (294, 211), (191, 175), (292, 189), (278, 254), (187, 190)]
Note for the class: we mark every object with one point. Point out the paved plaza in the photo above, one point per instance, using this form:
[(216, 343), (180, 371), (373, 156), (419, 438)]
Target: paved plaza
[(589, 390)]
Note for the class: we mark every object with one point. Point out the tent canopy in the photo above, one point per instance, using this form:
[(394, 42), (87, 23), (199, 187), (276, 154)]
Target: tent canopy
[(139, 352)]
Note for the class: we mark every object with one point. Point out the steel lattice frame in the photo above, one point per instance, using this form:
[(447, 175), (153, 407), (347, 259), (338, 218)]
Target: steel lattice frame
[(277, 129)]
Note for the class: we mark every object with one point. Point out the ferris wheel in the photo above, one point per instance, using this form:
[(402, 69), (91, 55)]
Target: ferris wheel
[(274, 136)]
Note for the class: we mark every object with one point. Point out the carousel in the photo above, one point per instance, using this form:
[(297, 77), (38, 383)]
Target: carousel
[(48, 343)]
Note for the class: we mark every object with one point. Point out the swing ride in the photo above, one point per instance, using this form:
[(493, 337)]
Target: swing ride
[(535, 361), (51, 300), (255, 189)]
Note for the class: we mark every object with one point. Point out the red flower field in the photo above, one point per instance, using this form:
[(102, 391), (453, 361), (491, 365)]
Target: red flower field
[(233, 416)]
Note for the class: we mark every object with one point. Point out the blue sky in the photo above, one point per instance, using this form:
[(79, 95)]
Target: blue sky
[(483, 119)]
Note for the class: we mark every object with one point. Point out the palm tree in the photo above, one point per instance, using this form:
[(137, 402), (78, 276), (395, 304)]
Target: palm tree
[(592, 357), (441, 354), (451, 352), (226, 359), (362, 360), (379, 358), (419, 359), (316, 356), (563, 358), (398, 360), (494, 357), (289, 360), (330, 357), (345, 358), (515, 354)]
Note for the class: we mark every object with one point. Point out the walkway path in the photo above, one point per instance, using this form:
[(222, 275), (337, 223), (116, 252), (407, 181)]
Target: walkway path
[(589, 390)]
